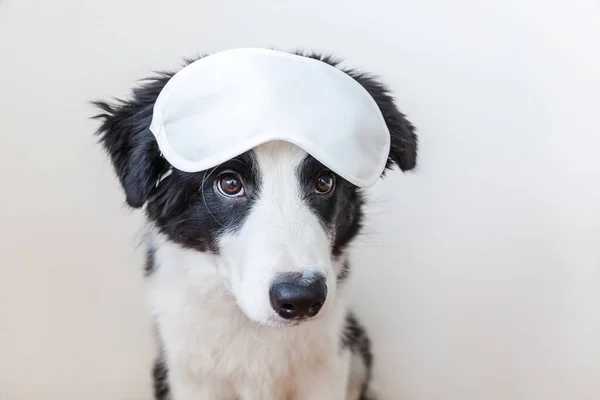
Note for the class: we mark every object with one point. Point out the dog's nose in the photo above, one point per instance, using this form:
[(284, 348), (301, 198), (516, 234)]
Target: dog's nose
[(294, 295)]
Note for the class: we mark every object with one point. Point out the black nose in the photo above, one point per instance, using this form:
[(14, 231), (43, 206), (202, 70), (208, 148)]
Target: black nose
[(294, 295)]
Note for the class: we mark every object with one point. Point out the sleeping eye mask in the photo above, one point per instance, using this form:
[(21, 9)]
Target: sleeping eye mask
[(225, 104)]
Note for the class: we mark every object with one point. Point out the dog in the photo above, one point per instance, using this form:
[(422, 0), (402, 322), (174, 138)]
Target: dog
[(247, 263)]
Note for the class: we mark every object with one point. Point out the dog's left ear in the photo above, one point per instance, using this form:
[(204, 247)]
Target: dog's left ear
[(125, 135), (403, 151)]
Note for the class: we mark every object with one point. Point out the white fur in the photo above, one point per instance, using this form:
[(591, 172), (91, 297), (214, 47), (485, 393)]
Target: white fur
[(220, 337)]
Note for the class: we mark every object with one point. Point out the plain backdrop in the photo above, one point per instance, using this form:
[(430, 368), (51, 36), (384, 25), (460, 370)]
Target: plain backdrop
[(478, 275)]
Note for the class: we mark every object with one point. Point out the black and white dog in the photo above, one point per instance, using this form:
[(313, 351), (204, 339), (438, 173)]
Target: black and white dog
[(247, 263)]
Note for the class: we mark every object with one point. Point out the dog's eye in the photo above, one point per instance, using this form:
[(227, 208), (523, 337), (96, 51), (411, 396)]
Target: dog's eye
[(325, 183), (230, 185)]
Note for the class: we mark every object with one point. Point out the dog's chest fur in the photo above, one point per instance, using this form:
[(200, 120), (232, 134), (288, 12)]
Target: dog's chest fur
[(207, 340)]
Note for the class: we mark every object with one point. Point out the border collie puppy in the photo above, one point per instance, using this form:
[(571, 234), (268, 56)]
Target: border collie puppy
[(247, 262)]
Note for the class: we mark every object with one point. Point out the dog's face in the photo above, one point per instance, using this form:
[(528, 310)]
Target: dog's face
[(275, 220)]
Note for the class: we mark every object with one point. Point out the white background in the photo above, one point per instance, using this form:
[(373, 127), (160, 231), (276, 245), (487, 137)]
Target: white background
[(479, 274)]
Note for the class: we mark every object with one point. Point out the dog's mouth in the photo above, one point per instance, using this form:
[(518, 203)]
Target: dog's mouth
[(281, 323), (277, 322)]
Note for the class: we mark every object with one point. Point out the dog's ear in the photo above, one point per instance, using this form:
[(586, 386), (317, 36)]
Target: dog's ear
[(403, 149), (125, 135)]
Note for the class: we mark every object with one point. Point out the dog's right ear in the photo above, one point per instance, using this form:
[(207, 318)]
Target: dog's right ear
[(125, 135)]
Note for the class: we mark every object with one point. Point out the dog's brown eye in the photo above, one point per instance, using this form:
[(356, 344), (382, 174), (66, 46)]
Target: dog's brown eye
[(325, 183), (230, 185)]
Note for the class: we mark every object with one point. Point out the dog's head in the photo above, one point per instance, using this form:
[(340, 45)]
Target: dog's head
[(274, 219)]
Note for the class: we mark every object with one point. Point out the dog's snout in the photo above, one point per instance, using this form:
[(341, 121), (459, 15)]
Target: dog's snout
[(297, 296)]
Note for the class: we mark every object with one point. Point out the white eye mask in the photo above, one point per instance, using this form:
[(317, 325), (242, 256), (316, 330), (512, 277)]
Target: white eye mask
[(225, 104)]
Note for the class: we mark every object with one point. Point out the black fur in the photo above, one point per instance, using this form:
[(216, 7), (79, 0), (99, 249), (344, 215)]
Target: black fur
[(344, 272), (124, 132), (160, 380), (186, 208), (340, 212), (356, 339), (150, 262)]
